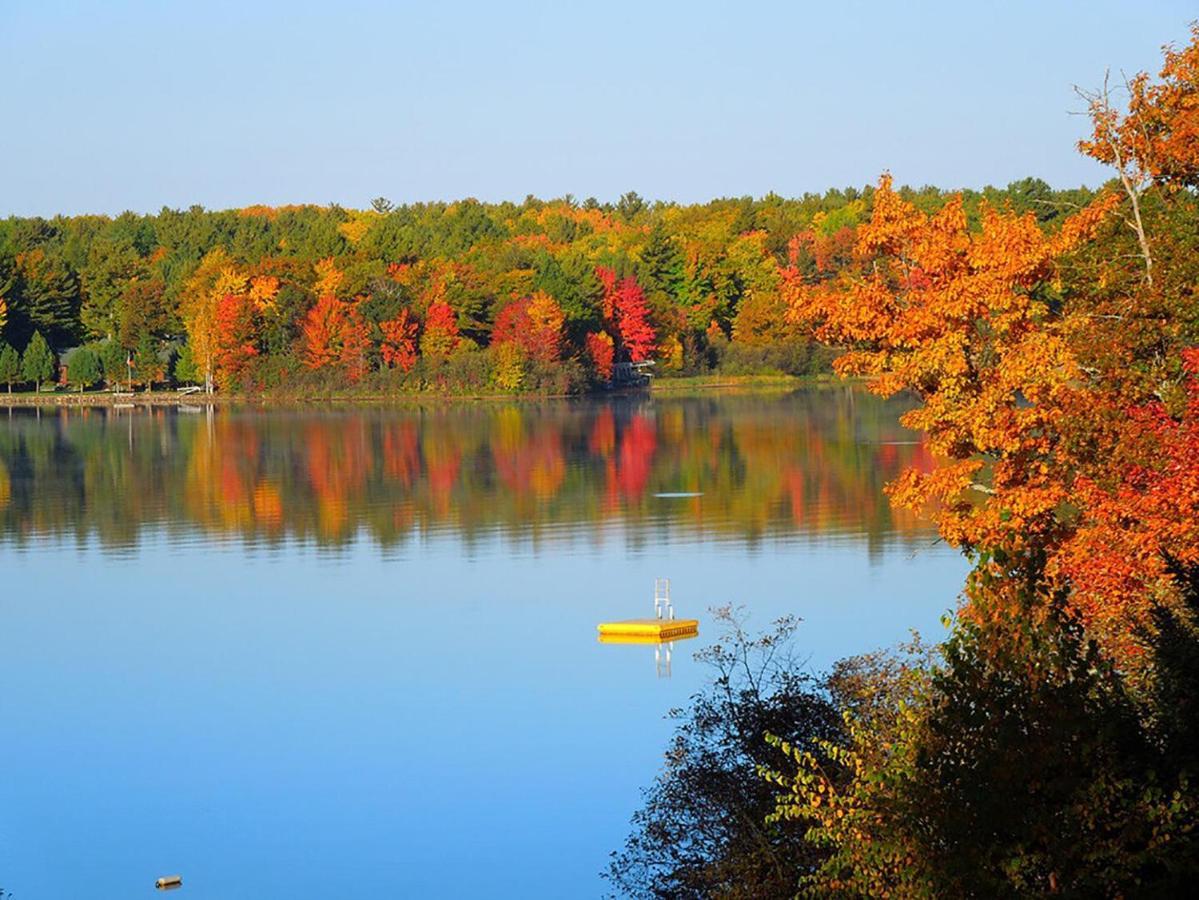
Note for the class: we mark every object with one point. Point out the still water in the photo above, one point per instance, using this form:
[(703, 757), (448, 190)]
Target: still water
[(328, 652)]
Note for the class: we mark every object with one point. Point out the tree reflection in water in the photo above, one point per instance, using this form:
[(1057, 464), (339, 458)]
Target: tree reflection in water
[(805, 465)]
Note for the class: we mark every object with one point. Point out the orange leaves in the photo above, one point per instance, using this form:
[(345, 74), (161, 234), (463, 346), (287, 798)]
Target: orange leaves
[(1158, 138), (1041, 454), (263, 290), (546, 320), (235, 333), (440, 337), (334, 334), (602, 352), (1083, 225), (958, 318), (398, 347), (1133, 526), (321, 332)]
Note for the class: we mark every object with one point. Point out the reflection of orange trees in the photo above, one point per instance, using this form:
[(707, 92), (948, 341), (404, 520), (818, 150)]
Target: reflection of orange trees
[(401, 453), (532, 464), (814, 463), (268, 506), (443, 460), (603, 433), (338, 460)]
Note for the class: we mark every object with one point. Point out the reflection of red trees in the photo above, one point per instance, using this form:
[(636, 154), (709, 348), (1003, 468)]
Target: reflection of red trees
[(443, 462), (603, 433), (535, 465), (401, 453), (337, 462), (796, 493), (329, 476), (637, 446), (268, 506)]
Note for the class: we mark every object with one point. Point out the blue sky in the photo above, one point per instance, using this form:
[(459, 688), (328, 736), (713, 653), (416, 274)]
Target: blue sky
[(130, 105)]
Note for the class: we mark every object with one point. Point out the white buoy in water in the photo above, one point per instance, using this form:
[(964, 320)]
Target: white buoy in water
[(169, 882)]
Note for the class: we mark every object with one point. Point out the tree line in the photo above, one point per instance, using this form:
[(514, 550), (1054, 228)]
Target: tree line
[(464, 296)]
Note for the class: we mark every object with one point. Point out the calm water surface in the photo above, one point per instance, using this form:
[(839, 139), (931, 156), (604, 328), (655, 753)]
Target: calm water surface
[(347, 652)]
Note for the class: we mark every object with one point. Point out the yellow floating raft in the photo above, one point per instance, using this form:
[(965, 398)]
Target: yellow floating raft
[(647, 631)]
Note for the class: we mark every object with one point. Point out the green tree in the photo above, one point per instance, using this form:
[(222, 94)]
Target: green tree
[(186, 371), (10, 365), (37, 363), (111, 267), (113, 363), (630, 205), (663, 267), (83, 368), (47, 294), (146, 361)]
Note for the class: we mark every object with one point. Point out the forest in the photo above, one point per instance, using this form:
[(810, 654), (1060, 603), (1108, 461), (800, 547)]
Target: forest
[(464, 297)]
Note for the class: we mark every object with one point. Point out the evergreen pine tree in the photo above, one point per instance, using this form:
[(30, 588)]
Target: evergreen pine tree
[(37, 363), (10, 365), (662, 264), (83, 369)]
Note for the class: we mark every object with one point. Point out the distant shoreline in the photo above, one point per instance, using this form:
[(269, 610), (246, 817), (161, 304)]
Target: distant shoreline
[(662, 386)]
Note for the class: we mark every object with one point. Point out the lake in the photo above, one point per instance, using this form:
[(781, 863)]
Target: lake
[(339, 651)]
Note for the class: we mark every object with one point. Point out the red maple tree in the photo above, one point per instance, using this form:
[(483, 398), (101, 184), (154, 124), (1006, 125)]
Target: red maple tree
[(234, 337), (398, 347)]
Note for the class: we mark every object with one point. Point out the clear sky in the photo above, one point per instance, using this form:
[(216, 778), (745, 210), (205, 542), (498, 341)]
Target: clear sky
[(134, 105)]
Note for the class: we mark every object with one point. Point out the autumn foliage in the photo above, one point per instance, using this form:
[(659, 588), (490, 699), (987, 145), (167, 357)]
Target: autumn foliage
[(602, 352), (334, 335), (399, 345), (235, 337), (533, 323), (1057, 385), (627, 314), (441, 336), (1158, 136)]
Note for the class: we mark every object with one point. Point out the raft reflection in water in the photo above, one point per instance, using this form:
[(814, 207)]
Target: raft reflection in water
[(662, 648)]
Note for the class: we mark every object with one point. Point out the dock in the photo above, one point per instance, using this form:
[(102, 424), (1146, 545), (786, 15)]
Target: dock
[(647, 631), (662, 627)]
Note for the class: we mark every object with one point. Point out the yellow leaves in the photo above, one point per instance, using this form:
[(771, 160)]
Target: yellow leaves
[(893, 225), (328, 278), (229, 281), (263, 290), (545, 314), (1083, 225), (356, 228), (670, 353), (3, 314), (509, 372)]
